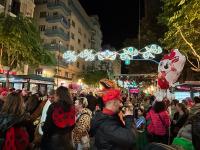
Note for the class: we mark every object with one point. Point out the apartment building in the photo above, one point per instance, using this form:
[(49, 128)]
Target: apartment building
[(64, 25), (15, 7)]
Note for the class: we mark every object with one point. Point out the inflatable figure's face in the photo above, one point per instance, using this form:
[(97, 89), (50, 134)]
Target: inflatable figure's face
[(170, 68)]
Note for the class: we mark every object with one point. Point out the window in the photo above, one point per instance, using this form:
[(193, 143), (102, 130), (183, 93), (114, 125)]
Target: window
[(84, 46), (42, 27), (73, 24), (79, 41), (54, 27), (67, 46), (83, 67), (66, 74), (43, 14), (55, 13), (72, 36), (71, 47), (53, 41), (79, 31), (77, 64)]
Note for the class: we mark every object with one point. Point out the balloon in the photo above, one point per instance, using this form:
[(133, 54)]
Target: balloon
[(170, 68)]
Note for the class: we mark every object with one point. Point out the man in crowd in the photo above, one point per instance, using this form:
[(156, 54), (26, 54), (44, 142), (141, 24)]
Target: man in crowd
[(108, 130)]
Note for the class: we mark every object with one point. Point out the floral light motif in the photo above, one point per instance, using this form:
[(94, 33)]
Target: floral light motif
[(107, 55), (87, 55), (70, 56)]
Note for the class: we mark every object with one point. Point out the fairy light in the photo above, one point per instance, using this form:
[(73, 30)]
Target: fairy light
[(127, 54)]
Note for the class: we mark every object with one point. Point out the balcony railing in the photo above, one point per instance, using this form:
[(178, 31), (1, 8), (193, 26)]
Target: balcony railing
[(58, 18), (55, 47), (54, 5), (57, 32)]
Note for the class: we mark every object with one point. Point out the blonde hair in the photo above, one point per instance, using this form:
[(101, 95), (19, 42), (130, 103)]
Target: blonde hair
[(83, 101)]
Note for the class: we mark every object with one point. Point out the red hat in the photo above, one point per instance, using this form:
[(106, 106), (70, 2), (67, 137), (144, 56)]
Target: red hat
[(112, 94)]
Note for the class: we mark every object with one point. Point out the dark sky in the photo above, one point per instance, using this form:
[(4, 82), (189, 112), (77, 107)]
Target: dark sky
[(118, 18)]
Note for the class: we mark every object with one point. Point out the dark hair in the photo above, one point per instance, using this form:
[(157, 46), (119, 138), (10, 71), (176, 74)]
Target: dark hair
[(32, 103), (136, 112), (64, 96), (174, 102), (196, 99), (159, 107), (196, 131), (83, 101), (14, 105), (183, 108)]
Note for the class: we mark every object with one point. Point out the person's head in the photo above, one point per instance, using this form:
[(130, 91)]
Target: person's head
[(13, 105), (174, 102), (51, 95), (159, 106), (196, 99), (180, 107), (62, 94), (32, 103), (81, 103), (112, 100)]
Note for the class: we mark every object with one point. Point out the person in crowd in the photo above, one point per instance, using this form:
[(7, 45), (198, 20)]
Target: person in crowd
[(109, 132), (158, 122), (3, 95), (80, 132), (12, 124), (179, 119), (140, 120), (92, 101), (196, 107), (173, 107), (59, 123)]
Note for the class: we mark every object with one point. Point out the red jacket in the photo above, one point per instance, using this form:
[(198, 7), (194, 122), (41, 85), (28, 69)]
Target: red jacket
[(156, 126)]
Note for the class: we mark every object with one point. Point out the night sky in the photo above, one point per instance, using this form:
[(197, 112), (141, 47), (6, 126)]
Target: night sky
[(118, 19)]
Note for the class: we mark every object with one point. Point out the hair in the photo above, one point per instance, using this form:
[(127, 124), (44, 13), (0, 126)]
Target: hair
[(14, 105), (32, 103), (174, 102), (159, 107), (196, 99), (51, 92), (136, 112), (83, 101), (183, 108), (64, 96)]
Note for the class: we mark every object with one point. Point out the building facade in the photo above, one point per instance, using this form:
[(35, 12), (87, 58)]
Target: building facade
[(15, 7), (64, 25)]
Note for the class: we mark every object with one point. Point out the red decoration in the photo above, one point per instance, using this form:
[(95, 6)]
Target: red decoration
[(112, 94)]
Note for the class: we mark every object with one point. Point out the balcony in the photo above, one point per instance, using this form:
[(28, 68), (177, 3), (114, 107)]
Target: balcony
[(57, 32), (58, 18), (57, 5), (55, 47)]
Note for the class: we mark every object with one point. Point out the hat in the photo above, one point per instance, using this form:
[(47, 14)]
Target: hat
[(112, 94)]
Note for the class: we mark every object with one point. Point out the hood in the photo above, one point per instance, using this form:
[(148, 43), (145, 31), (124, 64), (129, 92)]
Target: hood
[(98, 119), (62, 118), (6, 121)]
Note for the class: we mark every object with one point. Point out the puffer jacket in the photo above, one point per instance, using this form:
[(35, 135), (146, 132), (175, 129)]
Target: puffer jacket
[(82, 126), (111, 134)]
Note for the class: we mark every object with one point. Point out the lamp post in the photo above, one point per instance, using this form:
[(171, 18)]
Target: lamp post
[(58, 61)]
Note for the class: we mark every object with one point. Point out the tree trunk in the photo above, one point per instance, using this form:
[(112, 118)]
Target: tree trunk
[(7, 79)]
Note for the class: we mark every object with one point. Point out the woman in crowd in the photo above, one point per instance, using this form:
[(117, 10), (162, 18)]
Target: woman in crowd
[(140, 119), (158, 122), (179, 119), (12, 124), (59, 122), (83, 117)]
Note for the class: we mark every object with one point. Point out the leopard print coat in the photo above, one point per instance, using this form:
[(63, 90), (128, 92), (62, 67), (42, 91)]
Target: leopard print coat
[(82, 125)]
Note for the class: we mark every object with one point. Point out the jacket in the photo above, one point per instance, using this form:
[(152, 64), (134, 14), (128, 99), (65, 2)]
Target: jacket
[(13, 126), (111, 134), (157, 126), (82, 126), (57, 127)]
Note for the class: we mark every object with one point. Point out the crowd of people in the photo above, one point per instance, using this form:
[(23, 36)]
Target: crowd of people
[(109, 121)]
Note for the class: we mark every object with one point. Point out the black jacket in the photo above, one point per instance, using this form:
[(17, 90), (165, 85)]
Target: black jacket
[(111, 134)]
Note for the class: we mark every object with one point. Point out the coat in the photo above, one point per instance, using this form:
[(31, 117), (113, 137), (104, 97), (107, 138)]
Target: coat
[(111, 134)]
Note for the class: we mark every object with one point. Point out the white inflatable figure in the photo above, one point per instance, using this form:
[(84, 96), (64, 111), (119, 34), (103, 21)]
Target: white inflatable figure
[(169, 69)]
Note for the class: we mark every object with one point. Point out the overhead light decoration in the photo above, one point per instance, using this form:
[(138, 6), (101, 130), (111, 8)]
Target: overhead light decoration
[(127, 54)]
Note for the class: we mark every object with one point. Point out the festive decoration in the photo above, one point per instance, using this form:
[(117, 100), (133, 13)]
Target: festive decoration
[(169, 69), (126, 55)]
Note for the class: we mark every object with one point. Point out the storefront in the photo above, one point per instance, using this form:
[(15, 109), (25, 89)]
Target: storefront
[(29, 82)]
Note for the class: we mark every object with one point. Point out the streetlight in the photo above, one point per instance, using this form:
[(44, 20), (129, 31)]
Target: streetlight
[(58, 60)]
